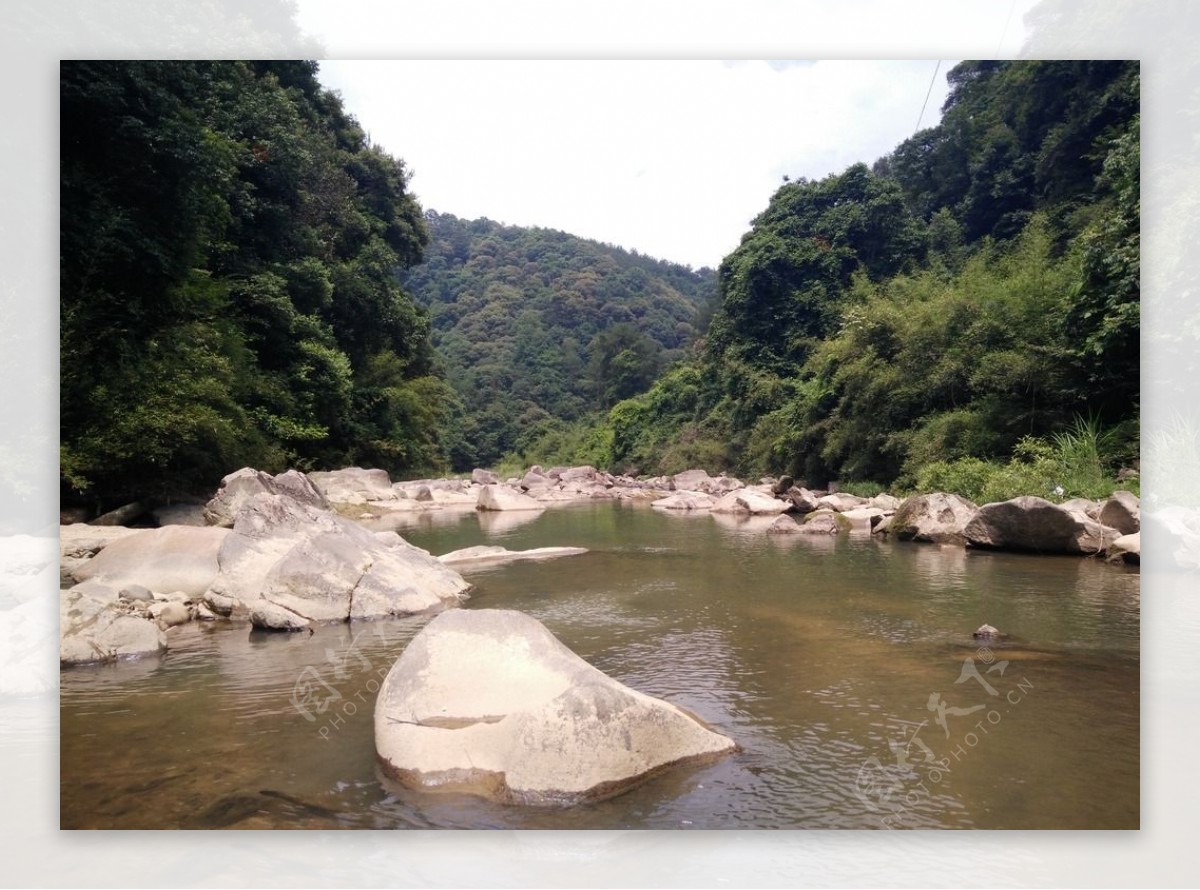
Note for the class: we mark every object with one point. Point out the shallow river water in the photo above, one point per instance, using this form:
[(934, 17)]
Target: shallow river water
[(844, 668)]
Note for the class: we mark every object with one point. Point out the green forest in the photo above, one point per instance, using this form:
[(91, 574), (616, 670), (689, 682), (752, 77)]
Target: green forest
[(247, 280), (537, 328)]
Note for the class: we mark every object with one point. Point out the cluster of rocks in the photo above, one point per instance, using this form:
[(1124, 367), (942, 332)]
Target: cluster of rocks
[(1110, 528), (275, 555)]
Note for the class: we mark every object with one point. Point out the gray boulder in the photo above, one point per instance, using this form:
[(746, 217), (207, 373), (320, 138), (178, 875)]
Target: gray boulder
[(97, 630), (885, 502), (1034, 524), (685, 501), (354, 485), (783, 525), (488, 702), (535, 480), (1127, 549), (266, 615), (170, 614), (802, 500), (749, 500), (500, 497), (484, 477), (326, 568), (579, 474), (135, 593), (824, 522), (840, 502), (937, 518), (1082, 505), (1121, 511), (176, 557), (239, 487), (865, 516), (691, 480)]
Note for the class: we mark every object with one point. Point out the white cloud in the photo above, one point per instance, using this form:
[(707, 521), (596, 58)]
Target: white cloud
[(671, 158)]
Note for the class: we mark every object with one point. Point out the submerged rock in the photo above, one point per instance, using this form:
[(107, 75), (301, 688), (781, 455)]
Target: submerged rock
[(484, 555), (1127, 549), (489, 702), (987, 632)]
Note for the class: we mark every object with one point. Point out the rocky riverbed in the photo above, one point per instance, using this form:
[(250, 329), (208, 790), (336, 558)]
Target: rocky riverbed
[(284, 551)]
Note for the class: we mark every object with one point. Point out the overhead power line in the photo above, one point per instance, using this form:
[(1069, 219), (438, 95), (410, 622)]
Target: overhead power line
[(928, 92)]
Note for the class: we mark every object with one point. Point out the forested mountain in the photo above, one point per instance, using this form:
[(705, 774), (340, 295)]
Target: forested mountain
[(973, 296), (229, 249), (536, 327), (237, 262)]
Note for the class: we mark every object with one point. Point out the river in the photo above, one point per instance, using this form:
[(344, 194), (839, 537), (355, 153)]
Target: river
[(844, 667)]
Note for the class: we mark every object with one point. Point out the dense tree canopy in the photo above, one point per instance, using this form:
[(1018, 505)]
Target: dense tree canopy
[(237, 260), (537, 327), (229, 251), (972, 291)]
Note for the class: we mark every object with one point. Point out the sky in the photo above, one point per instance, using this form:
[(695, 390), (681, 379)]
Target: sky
[(669, 158)]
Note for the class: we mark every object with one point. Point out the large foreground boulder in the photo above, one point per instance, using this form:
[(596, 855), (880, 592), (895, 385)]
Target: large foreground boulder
[(489, 702), (327, 568), (937, 518), (175, 557), (500, 497), (1034, 524), (239, 487)]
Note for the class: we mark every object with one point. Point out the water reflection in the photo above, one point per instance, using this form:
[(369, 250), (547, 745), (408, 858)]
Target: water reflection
[(814, 653)]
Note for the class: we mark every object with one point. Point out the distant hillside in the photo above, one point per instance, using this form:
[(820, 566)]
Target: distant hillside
[(536, 326)]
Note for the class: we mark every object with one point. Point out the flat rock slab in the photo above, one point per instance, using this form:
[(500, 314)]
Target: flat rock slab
[(486, 556), (176, 557), (80, 540), (489, 702)]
